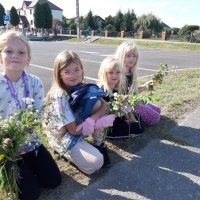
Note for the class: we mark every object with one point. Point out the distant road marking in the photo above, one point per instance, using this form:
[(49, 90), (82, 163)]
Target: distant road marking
[(38, 66), (90, 61), (90, 52)]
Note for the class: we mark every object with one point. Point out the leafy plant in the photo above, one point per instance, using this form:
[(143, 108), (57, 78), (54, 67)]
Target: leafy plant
[(15, 132)]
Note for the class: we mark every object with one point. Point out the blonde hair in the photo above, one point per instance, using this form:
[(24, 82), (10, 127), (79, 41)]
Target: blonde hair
[(122, 50), (109, 64), (7, 36), (63, 59)]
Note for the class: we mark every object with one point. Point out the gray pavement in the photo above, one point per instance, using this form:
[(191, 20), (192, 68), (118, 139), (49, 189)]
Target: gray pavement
[(162, 170)]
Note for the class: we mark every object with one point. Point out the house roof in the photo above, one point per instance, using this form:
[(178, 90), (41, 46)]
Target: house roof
[(24, 19), (51, 5), (27, 3), (101, 18), (165, 25)]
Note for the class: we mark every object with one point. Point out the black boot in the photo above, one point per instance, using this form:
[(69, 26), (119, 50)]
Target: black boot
[(103, 149)]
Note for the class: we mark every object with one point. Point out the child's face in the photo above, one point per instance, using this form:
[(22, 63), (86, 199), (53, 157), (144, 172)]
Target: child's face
[(130, 60), (14, 56), (72, 75), (113, 77)]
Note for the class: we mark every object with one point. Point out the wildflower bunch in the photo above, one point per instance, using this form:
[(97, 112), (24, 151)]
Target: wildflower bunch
[(158, 77), (15, 132), (119, 104)]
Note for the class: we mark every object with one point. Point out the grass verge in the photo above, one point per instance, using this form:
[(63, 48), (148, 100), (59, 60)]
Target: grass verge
[(146, 43)]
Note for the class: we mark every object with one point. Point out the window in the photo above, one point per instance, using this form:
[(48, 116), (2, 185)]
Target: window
[(31, 11), (31, 22)]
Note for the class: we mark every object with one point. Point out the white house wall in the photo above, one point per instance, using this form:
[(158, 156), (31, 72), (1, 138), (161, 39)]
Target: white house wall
[(26, 12), (57, 14)]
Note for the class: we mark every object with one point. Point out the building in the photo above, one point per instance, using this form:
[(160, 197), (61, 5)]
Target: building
[(27, 10)]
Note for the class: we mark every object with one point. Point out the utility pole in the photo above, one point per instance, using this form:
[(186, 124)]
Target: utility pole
[(77, 19)]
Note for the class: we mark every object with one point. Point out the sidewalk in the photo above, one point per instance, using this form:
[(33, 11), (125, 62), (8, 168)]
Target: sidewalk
[(162, 170)]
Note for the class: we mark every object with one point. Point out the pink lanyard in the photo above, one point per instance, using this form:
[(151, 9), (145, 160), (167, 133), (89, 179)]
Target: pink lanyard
[(12, 90)]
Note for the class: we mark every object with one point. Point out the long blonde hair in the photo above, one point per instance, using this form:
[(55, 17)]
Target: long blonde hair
[(63, 59), (107, 65), (122, 50)]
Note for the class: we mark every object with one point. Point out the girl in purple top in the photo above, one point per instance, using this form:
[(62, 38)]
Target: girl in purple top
[(37, 167)]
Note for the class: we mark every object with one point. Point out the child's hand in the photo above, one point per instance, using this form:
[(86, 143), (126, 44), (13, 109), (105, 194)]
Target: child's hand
[(87, 127), (105, 121)]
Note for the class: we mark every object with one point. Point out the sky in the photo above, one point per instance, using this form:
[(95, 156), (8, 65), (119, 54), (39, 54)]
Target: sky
[(174, 13)]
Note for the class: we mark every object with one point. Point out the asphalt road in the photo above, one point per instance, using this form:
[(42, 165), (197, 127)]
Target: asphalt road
[(44, 53)]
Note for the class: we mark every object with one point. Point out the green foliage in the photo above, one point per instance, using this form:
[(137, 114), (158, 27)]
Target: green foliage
[(118, 20), (89, 21), (109, 27), (47, 15), (19, 129), (192, 28), (128, 21), (109, 20), (154, 44), (148, 22), (2, 13), (64, 22), (197, 37), (14, 17), (39, 16), (42, 15), (136, 98), (175, 30), (188, 29), (72, 26)]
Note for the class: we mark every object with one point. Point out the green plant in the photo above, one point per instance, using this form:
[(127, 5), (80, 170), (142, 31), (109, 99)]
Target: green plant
[(18, 130)]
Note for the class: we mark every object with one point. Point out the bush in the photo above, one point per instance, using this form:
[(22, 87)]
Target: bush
[(196, 37), (147, 33)]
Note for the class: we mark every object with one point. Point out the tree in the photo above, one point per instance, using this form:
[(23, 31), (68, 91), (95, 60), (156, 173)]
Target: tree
[(109, 27), (109, 20), (14, 17), (72, 24), (188, 30), (118, 20), (175, 30), (142, 23), (149, 24), (64, 22), (99, 24), (89, 20), (39, 16), (2, 13), (129, 19), (154, 23), (47, 15)]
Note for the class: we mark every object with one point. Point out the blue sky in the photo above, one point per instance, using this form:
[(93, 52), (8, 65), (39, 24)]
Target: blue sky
[(175, 13)]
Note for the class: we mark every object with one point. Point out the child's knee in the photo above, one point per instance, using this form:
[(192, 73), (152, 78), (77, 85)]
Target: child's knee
[(97, 105)]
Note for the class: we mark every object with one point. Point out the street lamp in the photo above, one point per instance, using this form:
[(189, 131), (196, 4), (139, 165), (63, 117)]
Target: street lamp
[(77, 19)]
